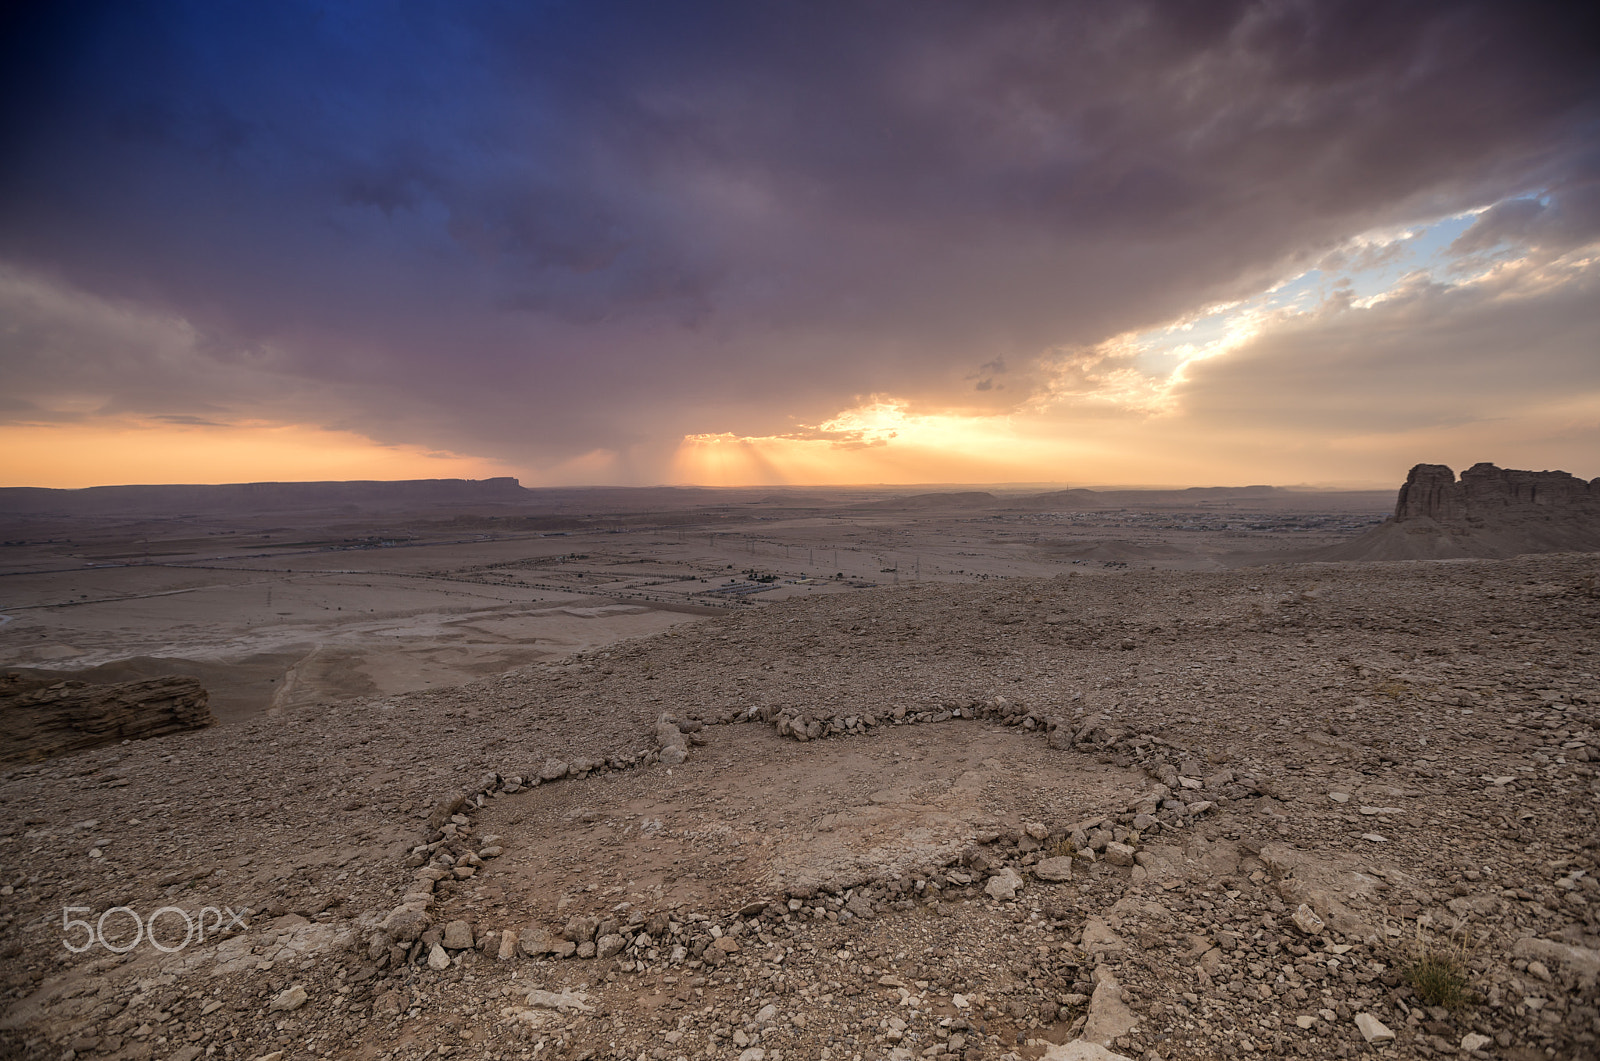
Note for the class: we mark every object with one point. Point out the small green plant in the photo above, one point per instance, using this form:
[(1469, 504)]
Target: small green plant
[(1436, 970)]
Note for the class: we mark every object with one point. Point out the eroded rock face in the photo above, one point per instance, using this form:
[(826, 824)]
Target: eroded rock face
[(1486, 492), (1489, 512), (40, 720)]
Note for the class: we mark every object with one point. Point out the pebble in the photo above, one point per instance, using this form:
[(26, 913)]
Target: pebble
[(289, 1001), (1373, 1030), (1307, 921), (1003, 885), (458, 936), (1054, 869)]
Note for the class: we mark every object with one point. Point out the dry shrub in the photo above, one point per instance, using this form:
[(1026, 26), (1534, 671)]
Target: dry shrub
[(1437, 968)]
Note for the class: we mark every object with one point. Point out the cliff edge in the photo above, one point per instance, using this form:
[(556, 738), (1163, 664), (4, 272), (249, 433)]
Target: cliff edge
[(41, 719)]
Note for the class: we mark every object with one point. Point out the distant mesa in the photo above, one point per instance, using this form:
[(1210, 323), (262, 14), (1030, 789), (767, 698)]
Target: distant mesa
[(1490, 512), (354, 496)]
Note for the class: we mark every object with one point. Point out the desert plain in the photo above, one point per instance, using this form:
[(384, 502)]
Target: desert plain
[(848, 775)]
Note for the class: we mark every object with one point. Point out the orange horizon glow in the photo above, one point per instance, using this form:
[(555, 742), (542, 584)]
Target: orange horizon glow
[(126, 453)]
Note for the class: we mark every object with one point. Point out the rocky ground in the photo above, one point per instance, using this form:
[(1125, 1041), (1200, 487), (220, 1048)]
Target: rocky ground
[(1168, 815)]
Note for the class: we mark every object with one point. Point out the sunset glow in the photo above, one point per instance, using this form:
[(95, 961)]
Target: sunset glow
[(1044, 243)]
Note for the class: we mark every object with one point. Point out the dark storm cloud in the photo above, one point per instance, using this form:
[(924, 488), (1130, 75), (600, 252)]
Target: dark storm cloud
[(530, 229)]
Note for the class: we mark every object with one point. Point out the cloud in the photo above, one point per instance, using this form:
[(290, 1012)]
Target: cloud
[(541, 234)]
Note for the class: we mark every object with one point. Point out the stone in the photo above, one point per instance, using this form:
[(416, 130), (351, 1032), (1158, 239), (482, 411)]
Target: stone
[(564, 1000), (1054, 869), (579, 929), (1305, 1021), (726, 944), (1582, 961), (438, 958), (1081, 1050), (676, 755), (1099, 938), (1307, 921), (1119, 854), (289, 1000), (1339, 797), (609, 945), (457, 936), (1473, 1041), (404, 924), (1003, 885), (1109, 1016), (508, 945), (755, 1053), (1372, 1029), (553, 770)]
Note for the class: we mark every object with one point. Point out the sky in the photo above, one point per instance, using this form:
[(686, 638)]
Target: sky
[(1209, 243)]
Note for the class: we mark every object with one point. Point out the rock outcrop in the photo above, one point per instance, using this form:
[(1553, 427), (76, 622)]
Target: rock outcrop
[(1489, 512), (41, 719), (1486, 493)]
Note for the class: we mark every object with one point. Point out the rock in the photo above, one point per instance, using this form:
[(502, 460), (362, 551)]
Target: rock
[(755, 1053), (1119, 854), (289, 1000), (508, 945), (438, 958), (579, 929), (1081, 1050), (726, 944), (458, 936), (1098, 938), (41, 719), (404, 925), (578, 1001), (609, 945), (1307, 921), (1473, 1041), (1003, 885), (1373, 1030), (1583, 961), (553, 770), (674, 745), (1054, 869), (1109, 1016)]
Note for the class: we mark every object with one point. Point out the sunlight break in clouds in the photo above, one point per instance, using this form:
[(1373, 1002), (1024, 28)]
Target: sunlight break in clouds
[(1144, 405)]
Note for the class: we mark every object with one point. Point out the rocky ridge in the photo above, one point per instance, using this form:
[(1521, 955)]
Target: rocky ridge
[(43, 718), (1166, 816)]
